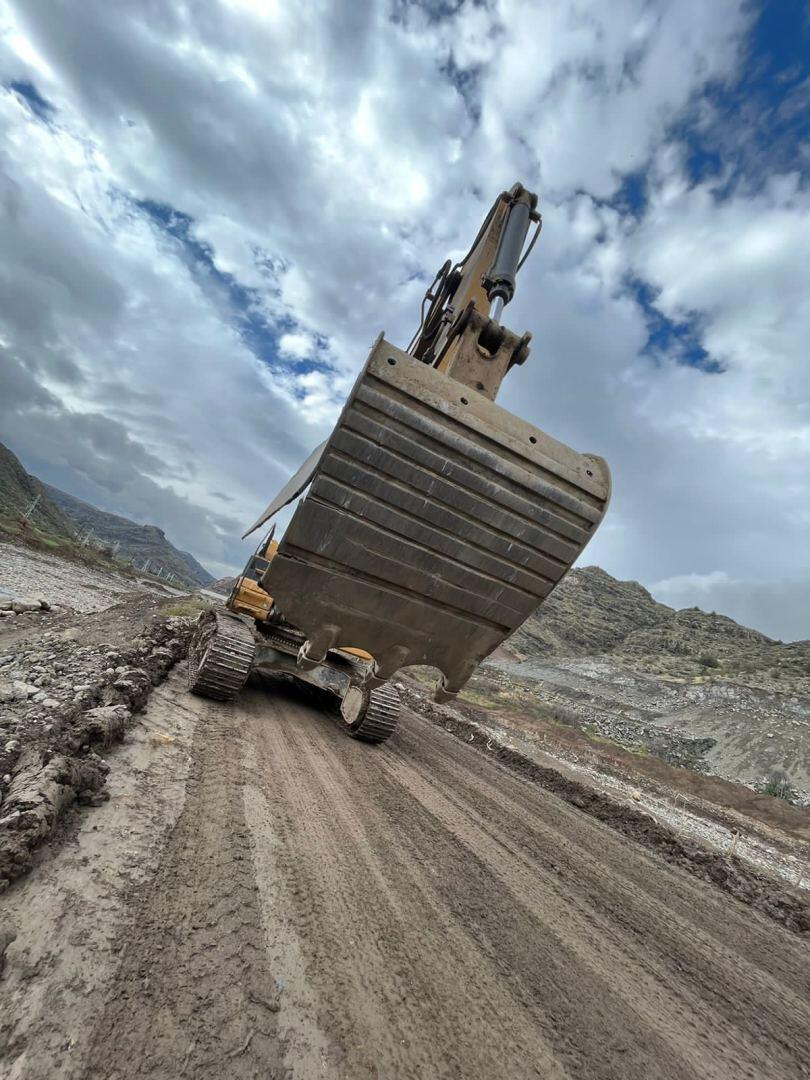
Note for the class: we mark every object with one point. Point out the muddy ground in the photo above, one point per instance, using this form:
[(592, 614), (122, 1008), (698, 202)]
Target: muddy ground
[(249, 893), (262, 896)]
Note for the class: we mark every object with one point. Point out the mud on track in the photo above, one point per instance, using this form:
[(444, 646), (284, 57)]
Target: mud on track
[(321, 908)]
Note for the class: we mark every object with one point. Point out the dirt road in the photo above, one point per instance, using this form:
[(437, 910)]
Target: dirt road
[(302, 905)]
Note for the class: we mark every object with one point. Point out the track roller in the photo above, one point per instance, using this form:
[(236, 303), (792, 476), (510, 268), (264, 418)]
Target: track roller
[(220, 656)]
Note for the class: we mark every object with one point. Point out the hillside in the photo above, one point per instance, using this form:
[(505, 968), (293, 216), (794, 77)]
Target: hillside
[(138, 542), (18, 490), (691, 687), (223, 585), (593, 614)]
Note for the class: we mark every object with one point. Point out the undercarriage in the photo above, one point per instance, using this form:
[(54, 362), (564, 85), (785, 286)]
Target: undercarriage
[(228, 648)]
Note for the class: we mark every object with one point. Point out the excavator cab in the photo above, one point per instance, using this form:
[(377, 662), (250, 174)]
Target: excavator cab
[(435, 522)]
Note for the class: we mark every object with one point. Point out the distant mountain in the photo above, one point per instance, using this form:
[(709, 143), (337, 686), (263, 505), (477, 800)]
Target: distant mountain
[(204, 577), (146, 544), (591, 614), (223, 585), (19, 490)]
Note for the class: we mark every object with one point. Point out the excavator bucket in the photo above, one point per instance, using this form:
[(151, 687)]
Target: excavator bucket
[(435, 524)]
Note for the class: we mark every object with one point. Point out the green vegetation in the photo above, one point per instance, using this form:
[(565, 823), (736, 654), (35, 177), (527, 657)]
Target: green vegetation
[(778, 785), (190, 607), (708, 661), (14, 530)]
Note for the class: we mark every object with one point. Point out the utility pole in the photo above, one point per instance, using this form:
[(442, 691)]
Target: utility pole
[(31, 508)]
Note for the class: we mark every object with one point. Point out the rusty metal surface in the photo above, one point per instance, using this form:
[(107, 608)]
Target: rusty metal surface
[(270, 661), (479, 352), (435, 524)]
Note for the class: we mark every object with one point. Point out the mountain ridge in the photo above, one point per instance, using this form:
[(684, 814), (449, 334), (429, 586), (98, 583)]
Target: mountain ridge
[(591, 613), (21, 494), (59, 517), (143, 543)]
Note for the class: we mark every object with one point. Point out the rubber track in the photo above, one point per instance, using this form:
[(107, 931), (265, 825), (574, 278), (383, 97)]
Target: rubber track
[(226, 662), (380, 717)]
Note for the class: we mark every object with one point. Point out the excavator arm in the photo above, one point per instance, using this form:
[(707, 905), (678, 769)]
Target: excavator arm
[(460, 332)]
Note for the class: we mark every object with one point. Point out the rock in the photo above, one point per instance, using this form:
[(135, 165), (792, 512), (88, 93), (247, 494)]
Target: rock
[(7, 613), (7, 936), (23, 690), (5, 605), (105, 723), (44, 605), (21, 606)]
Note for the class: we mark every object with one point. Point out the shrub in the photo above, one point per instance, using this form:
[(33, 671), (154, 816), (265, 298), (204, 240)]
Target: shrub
[(708, 661), (778, 784)]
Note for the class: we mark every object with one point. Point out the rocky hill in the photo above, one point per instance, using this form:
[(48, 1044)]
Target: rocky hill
[(692, 687), (223, 585), (592, 614), (58, 518), (146, 544), (19, 490)]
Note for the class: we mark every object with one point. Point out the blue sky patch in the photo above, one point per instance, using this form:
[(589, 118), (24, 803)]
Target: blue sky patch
[(678, 340), (39, 106), (758, 124), (242, 304)]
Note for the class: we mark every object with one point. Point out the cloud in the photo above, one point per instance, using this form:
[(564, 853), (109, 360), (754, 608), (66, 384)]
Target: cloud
[(297, 345), (209, 213)]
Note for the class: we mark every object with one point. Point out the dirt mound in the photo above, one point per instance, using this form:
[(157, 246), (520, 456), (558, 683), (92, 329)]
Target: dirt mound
[(54, 726)]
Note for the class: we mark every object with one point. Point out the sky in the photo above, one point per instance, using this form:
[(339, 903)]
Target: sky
[(209, 210)]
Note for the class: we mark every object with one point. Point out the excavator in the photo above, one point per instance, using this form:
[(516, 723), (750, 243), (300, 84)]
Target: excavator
[(433, 522)]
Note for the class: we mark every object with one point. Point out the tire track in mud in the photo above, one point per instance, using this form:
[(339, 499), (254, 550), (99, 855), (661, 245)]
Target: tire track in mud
[(381, 953), (456, 921), (659, 904), (327, 909), (192, 995)]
